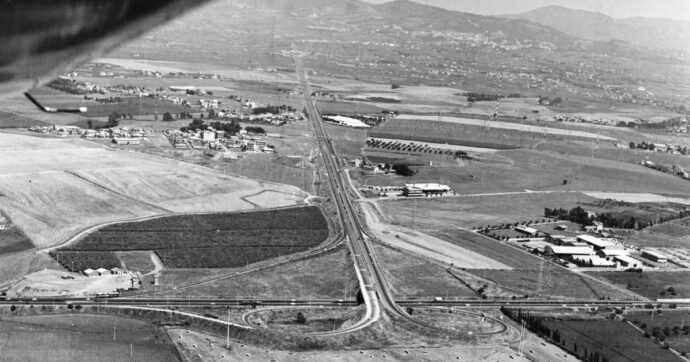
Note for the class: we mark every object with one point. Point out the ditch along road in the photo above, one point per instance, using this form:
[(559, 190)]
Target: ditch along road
[(377, 297)]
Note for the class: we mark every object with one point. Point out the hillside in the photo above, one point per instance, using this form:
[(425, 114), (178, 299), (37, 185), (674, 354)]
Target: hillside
[(656, 33)]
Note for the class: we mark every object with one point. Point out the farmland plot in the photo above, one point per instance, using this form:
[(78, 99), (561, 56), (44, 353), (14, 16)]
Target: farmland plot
[(54, 188), (205, 241)]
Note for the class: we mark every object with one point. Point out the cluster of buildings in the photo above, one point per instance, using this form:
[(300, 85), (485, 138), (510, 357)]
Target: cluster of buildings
[(592, 251), (124, 135), (218, 140)]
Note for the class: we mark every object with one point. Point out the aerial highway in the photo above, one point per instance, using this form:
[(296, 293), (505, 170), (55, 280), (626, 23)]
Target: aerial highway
[(373, 285)]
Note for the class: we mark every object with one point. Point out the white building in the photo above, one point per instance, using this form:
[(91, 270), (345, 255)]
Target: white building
[(596, 242)]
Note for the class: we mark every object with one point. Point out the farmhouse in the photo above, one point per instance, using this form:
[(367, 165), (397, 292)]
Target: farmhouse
[(102, 271), (425, 189), (655, 256), (117, 271)]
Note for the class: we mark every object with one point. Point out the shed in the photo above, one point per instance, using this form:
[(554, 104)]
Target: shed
[(102, 271), (116, 271), (89, 272), (568, 250)]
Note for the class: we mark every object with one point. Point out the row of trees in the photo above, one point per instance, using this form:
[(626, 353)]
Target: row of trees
[(580, 216), (650, 147), (537, 324), (230, 128), (274, 109)]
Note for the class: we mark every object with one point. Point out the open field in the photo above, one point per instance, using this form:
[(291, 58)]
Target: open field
[(134, 105), (458, 320), (474, 132), (14, 266), (488, 247), (53, 188), (205, 241), (347, 141), (9, 120), (212, 349), (520, 170), (651, 284), (558, 283), (315, 320), (12, 239), (136, 261), (474, 211), (324, 276), (542, 129), (52, 283), (411, 277), (424, 245), (289, 171), (83, 338), (678, 339)]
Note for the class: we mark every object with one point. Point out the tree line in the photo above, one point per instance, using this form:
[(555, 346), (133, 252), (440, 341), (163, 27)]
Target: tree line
[(579, 216), (538, 325)]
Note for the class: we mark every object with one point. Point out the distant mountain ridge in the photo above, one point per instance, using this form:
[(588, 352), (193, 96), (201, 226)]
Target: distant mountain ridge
[(648, 32)]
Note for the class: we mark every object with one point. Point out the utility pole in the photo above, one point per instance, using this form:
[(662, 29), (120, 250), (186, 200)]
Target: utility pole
[(227, 337)]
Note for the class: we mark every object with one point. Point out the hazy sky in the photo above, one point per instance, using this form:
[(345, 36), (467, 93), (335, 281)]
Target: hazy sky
[(672, 9)]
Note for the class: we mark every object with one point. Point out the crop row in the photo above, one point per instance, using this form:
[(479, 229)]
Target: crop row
[(294, 218), (78, 261), (153, 240), (204, 241)]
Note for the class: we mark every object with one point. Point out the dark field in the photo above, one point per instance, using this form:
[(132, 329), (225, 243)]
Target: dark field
[(616, 340), (83, 338), (9, 120), (208, 241), (651, 284), (12, 240)]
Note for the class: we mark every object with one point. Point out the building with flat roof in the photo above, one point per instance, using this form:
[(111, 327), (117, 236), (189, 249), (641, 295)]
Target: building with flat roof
[(425, 189), (627, 262), (568, 250), (654, 256), (595, 241), (90, 272)]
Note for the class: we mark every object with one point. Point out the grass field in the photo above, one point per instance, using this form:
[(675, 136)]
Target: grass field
[(493, 249), (325, 276), (616, 340), (203, 241), (411, 277), (13, 240), (316, 320), (40, 178), (473, 133), (134, 105), (678, 339), (347, 141), (136, 261), (520, 170), (9, 120), (83, 338), (468, 212), (558, 283), (651, 284)]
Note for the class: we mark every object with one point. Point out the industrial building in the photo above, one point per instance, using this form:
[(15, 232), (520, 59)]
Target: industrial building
[(654, 256), (627, 262), (574, 251), (596, 242), (425, 189)]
